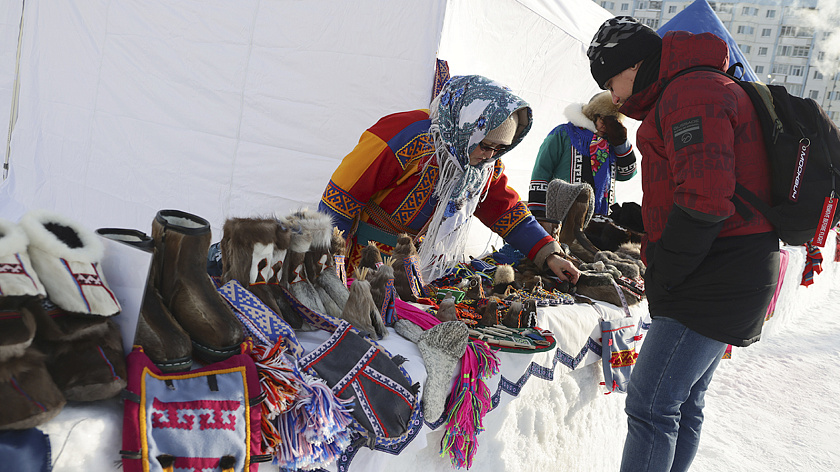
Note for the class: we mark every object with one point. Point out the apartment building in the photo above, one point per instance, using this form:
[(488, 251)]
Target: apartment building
[(786, 42)]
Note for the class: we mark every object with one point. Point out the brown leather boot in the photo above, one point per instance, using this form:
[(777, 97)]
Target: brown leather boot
[(163, 339), (179, 274)]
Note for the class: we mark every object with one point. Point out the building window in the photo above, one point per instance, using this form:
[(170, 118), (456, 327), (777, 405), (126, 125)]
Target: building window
[(804, 32), (652, 22), (762, 51), (818, 74), (801, 51), (771, 13), (821, 55), (787, 31), (766, 32), (655, 5), (625, 6), (784, 50), (833, 116), (745, 29), (796, 71), (746, 48), (759, 69), (672, 9), (745, 11), (641, 6), (794, 89), (813, 94), (781, 68)]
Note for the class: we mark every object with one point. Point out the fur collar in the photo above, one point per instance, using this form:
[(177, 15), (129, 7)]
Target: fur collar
[(35, 224), (574, 113)]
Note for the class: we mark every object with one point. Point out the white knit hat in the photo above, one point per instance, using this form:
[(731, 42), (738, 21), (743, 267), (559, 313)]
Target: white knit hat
[(505, 132)]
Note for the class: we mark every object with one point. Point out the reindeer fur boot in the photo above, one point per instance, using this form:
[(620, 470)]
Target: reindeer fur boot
[(179, 274), (332, 280), (18, 283), (253, 253), (163, 340), (66, 257), (320, 265), (361, 310), (294, 271), (30, 397)]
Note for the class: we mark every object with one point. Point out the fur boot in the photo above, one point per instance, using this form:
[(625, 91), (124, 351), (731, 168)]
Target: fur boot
[(294, 271), (91, 368), (332, 281), (30, 397), (253, 254), (162, 338), (513, 316), (17, 274), (179, 275), (490, 314), (361, 310), (66, 257)]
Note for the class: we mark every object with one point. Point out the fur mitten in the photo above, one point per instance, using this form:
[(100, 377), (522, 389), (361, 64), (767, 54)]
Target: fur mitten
[(616, 132)]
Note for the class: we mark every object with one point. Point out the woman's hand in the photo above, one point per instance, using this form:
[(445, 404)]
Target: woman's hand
[(563, 268)]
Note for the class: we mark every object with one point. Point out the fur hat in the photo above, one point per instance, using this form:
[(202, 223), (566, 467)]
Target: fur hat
[(601, 105), (561, 195), (505, 132), (619, 44)]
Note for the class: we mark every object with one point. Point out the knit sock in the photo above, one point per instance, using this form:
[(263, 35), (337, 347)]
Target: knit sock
[(442, 347)]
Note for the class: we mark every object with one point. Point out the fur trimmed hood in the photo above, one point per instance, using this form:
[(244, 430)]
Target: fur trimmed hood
[(583, 115), (62, 237)]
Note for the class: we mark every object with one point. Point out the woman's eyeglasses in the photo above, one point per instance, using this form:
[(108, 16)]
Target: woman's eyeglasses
[(496, 149)]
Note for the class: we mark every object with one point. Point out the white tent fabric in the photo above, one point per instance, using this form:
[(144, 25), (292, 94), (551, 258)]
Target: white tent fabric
[(213, 107)]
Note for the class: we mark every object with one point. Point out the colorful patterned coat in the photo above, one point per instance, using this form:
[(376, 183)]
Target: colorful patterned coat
[(386, 183)]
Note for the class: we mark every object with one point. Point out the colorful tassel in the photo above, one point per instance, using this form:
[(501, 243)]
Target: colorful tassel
[(813, 264), (468, 404)]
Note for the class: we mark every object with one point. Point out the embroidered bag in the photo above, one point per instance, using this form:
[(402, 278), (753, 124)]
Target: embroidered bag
[(618, 348), (208, 418)]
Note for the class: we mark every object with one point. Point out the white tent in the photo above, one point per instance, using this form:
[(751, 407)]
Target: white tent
[(223, 108)]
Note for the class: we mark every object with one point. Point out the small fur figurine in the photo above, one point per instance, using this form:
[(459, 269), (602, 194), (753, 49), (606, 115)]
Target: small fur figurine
[(361, 310), (513, 316), (502, 279), (490, 315), (407, 280), (381, 285), (371, 257), (446, 309)]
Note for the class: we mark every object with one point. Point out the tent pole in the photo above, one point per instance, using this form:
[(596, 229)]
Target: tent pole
[(15, 93)]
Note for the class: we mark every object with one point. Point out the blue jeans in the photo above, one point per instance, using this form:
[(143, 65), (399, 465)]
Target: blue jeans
[(665, 397)]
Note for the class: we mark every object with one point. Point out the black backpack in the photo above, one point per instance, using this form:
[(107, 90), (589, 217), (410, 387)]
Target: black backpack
[(803, 146)]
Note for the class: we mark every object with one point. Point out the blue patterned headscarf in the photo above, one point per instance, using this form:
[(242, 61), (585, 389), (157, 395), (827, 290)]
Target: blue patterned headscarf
[(467, 108)]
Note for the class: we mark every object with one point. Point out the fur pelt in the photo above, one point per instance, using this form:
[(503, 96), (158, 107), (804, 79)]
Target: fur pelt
[(57, 244), (596, 282), (608, 236), (627, 265), (17, 327), (13, 243), (361, 310), (401, 255)]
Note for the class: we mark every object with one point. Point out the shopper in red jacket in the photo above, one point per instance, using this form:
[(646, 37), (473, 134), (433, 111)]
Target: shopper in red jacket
[(710, 272)]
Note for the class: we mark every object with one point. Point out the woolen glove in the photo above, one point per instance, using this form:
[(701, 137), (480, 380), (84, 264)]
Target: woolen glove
[(616, 132)]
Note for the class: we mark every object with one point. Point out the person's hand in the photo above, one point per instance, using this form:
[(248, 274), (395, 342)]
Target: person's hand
[(616, 132), (563, 268)]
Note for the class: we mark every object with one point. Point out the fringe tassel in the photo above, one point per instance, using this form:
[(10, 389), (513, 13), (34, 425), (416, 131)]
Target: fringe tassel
[(468, 404), (315, 430), (280, 385)]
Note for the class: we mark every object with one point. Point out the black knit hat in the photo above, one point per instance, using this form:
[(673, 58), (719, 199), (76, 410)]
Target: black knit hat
[(619, 44)]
